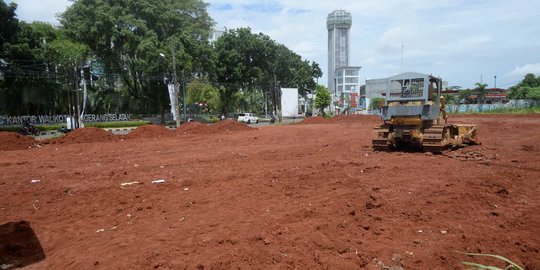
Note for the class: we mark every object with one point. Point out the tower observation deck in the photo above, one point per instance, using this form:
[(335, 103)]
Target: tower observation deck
[(338, 23)]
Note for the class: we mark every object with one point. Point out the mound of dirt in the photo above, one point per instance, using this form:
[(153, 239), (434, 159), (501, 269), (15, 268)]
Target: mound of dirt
[(194, 128), (230, 125), (14, 141), (86, 135), (315, 120), (150, 131)]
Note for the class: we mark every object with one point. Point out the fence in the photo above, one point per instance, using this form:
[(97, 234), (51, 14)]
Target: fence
[(472, 108)]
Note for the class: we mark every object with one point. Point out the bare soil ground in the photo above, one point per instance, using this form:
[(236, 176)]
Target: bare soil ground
[(304, 196)]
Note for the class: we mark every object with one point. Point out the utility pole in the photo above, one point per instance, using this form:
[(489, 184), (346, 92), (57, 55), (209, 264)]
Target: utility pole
[(313, 97), (74, 110), (70, 108), (265, 103), (184, 96), (495, 84), (174, 102), (277, 91)]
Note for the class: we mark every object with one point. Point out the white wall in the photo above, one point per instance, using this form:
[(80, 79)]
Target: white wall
[(289, 102)]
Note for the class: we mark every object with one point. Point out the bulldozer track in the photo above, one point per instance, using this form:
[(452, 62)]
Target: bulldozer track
[(433, 139), (381, 142)]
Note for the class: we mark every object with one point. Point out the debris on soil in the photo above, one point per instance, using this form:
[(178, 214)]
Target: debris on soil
[(468, 155), (150, 131), (14, 141), (159, 181), (130, 183)]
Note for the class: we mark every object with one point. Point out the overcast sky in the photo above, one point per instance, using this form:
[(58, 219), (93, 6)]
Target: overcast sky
[(458, 40)]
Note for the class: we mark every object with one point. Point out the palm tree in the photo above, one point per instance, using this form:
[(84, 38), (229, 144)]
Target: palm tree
[(481, 89)]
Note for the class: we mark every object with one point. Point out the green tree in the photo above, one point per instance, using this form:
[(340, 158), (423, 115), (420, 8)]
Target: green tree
[(528, 88), (10, 24), (465, 95), (533, 93), (450, 99), (247, 62), (322, 99), (128, 36), (238, 64), (200, 90), (70, 57), (481, 90), (530, 80), (376, 103), (30, 83)]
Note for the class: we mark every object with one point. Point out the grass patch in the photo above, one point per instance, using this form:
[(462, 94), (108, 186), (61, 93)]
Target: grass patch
[(117, 124), (510, 265), (10, 128)]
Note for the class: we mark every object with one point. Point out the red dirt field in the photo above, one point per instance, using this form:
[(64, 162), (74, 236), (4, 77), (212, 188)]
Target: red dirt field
[(306, 196)]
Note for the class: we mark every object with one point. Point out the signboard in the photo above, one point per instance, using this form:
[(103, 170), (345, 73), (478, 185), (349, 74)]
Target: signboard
[(52, 119), (289, 102)]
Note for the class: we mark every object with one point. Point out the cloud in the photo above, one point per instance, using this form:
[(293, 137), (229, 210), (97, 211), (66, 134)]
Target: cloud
[(264, 7), (223, 6), (523, 70)]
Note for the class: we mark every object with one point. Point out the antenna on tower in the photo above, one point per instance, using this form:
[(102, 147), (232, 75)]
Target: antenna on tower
[(401, 57)]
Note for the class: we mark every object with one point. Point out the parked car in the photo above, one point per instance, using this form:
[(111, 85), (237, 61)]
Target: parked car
[(248, 118)]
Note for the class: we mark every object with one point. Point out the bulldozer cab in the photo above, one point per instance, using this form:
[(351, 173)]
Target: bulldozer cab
[(412, 94)]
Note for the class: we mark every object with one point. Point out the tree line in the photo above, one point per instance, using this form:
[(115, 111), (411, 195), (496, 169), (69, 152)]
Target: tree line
[(528, 88), (124, 51)]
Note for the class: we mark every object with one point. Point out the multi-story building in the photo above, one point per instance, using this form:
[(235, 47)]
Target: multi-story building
[(338, 24), (343, 80), (347, 83)]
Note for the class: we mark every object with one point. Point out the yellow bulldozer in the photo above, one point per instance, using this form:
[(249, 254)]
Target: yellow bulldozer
[(414, 115)]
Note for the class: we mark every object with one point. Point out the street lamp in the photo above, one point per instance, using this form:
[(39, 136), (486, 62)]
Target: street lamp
[(174, 99)]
